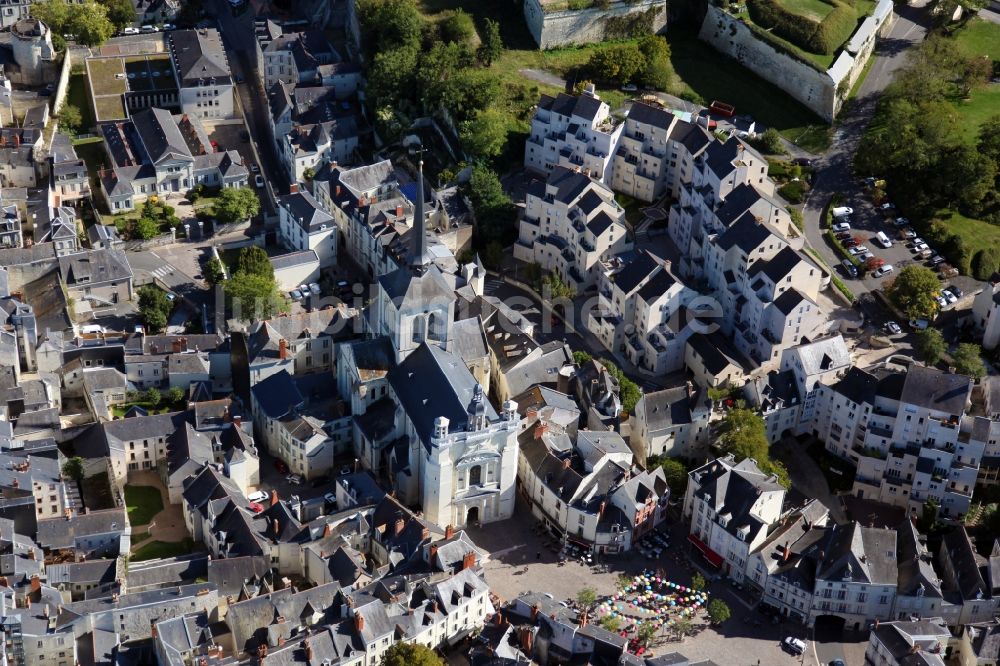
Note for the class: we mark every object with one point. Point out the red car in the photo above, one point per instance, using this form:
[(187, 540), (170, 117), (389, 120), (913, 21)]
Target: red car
[(256, 508), (280, 466)]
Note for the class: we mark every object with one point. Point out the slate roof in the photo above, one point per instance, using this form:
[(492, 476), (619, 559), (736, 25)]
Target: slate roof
[(746, 233), (430, 383), (94, 267), (58, 533), (648, 114), (160, 136), (936, 390), (305, 210), (293, 259), (634, 272), (581, 106), (199, 55), (857, 386)]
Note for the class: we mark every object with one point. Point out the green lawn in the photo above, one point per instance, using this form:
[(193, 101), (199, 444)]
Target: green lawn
[(711, 75), (976, 233), (633, 208), (78, 96), (103, 76), (160, 549), (979, 37), (110, 107), (813, 9), (985, 104), (143, 502)]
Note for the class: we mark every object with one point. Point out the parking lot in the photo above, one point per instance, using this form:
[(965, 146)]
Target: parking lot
[(523, 560)]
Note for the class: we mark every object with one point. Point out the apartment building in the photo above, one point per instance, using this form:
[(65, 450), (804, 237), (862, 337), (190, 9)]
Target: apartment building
[(672, 422), (305, 225), (984, 312), (201, 69), (923, 641), (307, 148), (574, 132), (305, 57), (732, 508), (571, 223), (656, 153)]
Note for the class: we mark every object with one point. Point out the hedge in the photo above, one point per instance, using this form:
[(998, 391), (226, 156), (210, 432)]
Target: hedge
[(823, 38)]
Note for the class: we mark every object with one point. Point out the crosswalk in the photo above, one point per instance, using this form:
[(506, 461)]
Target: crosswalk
[(162, 272)]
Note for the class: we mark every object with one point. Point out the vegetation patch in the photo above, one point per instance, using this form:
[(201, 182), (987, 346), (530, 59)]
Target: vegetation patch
[(156, 550), (824, 36), (142, 502)]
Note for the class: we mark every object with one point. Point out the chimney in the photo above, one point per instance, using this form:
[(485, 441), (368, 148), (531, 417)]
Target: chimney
[(359, 621), (36, 583), (527, 639), (399, 210), (327, 530), (226, 417), (184, 344), (400, 524), (293, 188), (787, 552), (433, 551), (498, 619), (434, 606), (237, 420), (600, 511), (308, 650), (274, 497), (336, 191), (566, 463), (468, 561), (541, 429), (276, 527), (282, 349), (176, 346), (281, 641), (583, 619), (534, 612), (152, 629)]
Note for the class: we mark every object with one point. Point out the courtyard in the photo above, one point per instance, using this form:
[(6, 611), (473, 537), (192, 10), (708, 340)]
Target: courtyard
[(158, 528)]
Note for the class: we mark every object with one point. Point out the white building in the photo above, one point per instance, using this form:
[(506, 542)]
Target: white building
[(571, 223), (903, 642), (732, 507), (572, 131), (201, 69), (672, 422), (305, 225), (984, 313)]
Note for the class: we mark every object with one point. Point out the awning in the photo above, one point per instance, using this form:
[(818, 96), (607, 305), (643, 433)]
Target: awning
[(713, 557)]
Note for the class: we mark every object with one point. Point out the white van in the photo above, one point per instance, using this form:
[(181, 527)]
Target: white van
[(843, 211), (883, 240)]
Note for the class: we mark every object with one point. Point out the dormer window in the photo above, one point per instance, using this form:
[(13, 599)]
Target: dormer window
[(742, 533)]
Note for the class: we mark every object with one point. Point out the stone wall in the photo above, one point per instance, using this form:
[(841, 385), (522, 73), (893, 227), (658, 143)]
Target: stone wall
[(823, 92), (582, 26)]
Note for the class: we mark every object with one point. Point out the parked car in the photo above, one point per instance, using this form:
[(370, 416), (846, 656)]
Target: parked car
[(843, 211), (794, 645), (330, 498), (858, 250), (941, 301), (921, 247), (295, 295), (167, 27), (919, 324), (882, 271), (130, 31), (892, 328), (901, 222), (294, 479), (907, 234), (850, 269), (950, 297), (850, 242), (865, 256), (258, 496), (841, 226), (258, 180), (955, 290), (937, 259), (887, 207), (256, 507), (147, 28), (314, 289), (629, 87), (254, 168), (802, 161), (843, 235)]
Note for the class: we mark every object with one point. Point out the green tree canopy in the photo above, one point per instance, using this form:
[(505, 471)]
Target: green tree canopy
[(175, 394), (236, 204), (718, 611), (73, 468), (491, 47), (698, 582), (154, 307), (675, 472), (658, 72), (485, 135), (69, 117), (214, 271), (253, 297), (121, 13), (495, 212), (914, 290), (743, 434), (968, 359), (410, 654), (458, 27), (930, 345), (389, 24), (90, 24), (619, 63), (153, 396), (986, 263), (586, 597), (253, 260)]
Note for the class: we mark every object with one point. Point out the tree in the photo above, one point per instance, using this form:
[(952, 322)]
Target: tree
[(929, 515), (410, 654), (175, 394), (914, 291), (623, 581), (586, 598), (491, 47), (495, 212), (968, 360), (986, 263), (718, 611), (121, 13), (628, 391), (486, 134), (769, 142), (90, 24), (675, 472), (253, 260), (683, 626), (390, 74), (612, 623), (554, 288), (743, 434), (622, 62), (309, 174), (930, 345), (236, 204), (646, 633), (581, 357), (73, 468), (458, 27), (214, 271), (253, 296), (874, 263), (153, 396), (698, 582), (154, 306), (142, 228), (657, 73), (69, 117), (54, 13)]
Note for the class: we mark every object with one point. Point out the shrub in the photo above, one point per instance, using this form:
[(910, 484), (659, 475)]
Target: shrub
[(793, 191), (985, 263)]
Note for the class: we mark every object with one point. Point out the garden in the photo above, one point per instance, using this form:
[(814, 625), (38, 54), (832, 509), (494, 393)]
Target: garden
[(148, 221), (142, 503)]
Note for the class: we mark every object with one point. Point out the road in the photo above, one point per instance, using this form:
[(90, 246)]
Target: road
[(833, 170), (238, 36)]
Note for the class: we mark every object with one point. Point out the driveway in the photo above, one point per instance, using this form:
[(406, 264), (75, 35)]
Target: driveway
[(834, 169)]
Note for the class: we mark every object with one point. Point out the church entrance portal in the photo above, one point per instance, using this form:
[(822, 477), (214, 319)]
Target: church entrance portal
[(472, 518)]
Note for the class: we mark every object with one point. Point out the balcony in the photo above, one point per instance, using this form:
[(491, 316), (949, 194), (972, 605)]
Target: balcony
[(879, 430), (770, 337), (869, 452)]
